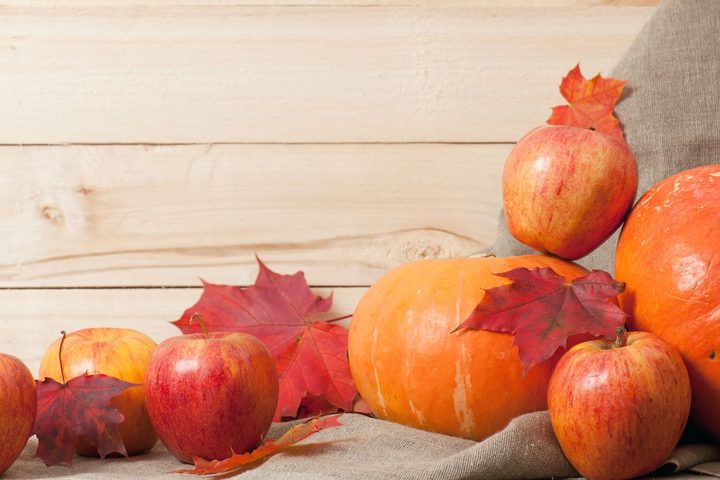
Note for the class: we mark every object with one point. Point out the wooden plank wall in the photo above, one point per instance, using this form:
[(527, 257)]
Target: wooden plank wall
[(146, 144)]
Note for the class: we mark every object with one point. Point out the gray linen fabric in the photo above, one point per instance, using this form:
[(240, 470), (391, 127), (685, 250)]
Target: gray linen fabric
[(670, 109), (370, 449)]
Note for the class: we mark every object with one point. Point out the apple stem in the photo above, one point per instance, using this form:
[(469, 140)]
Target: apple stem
[(198, 317), (338, 318), (620, 332), (62, 370)]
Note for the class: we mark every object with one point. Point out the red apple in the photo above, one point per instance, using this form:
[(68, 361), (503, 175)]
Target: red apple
[(18, 402), (567, 189), (211, 395), (618, 409), (117, 352)]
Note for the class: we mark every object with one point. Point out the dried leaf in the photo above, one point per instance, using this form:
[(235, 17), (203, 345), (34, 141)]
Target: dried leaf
[(78, 408), (590, 103), (269, 447), (281, 310), (543, 310)]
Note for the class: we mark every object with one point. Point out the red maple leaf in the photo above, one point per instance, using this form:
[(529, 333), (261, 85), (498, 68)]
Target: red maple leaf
[(310, 355), (78, 408), (239, 462), (543, 310), (591, 103)]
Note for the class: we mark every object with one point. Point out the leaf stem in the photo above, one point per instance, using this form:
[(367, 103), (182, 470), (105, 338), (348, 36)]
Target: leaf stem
[(198, 317), (339, 318), (62, 370)]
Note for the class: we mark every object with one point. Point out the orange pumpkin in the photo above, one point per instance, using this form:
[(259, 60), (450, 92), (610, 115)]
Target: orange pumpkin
[(410, 369), (669, 256)]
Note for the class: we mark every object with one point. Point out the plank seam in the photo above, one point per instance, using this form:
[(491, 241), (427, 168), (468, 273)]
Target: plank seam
[(154, 287), (181, 144)]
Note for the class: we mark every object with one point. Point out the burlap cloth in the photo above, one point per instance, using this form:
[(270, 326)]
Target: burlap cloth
[(370, 449), (672, 120)]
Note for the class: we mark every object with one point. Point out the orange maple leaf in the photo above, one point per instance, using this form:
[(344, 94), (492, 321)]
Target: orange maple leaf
[(590, 103), (240, 461)]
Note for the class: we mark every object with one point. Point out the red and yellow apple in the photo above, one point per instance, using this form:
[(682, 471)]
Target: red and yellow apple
[(567, 189), (211, 395), (18, 405), (116, 352), (618, 408)]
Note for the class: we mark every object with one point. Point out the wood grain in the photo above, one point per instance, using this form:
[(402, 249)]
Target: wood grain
[(31, 319), (337, 137), (335, 73), (166, 215)]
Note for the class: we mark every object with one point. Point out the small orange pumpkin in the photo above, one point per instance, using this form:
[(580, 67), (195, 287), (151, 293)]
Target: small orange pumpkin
[(410, 369)]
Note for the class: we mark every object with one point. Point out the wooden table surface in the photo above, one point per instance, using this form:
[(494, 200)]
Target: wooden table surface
[(145, 144)]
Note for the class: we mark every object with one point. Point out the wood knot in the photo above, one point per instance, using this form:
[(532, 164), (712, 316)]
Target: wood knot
[(422, 250), (52, 214)]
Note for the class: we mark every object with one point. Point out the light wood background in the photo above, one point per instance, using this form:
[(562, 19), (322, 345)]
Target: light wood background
[(146, 143)]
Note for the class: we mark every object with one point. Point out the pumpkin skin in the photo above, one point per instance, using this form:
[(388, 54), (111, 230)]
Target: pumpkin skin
[(669, 256), (410, 369)]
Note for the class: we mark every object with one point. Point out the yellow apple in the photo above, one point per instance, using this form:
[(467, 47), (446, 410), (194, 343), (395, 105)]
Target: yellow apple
[(116, 352)]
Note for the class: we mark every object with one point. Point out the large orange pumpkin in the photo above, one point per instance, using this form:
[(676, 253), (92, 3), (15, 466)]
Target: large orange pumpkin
[(669, 256), (410, 369)]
